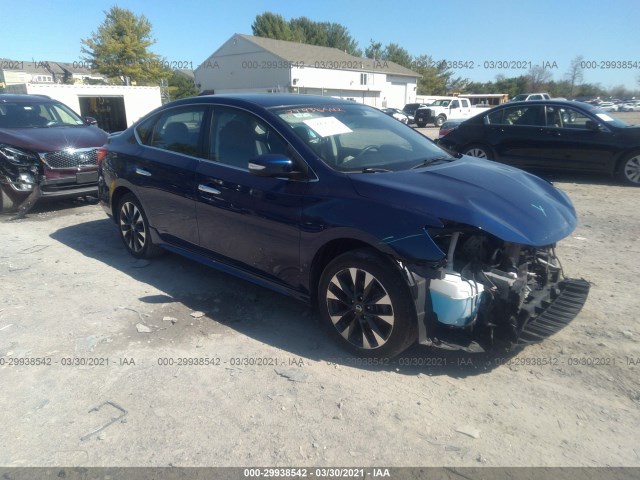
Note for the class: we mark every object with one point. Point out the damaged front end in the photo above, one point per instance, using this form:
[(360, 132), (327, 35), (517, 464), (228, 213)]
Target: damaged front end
[(488, 291), (21, 173)]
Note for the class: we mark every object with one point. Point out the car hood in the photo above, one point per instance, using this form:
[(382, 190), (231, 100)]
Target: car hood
[(511, 204), (54, 138)]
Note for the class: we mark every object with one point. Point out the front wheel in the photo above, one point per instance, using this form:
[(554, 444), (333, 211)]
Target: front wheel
[(479, 151), (629, 171), (365, 302), (134, 228), (439, 120)]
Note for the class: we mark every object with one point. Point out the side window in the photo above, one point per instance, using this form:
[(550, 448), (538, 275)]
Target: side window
[(521, 116), (177, 130), (238, 136), (570, 118), (455, 104)]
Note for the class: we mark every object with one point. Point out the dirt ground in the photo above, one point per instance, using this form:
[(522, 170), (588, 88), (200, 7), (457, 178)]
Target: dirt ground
[(214, 371)]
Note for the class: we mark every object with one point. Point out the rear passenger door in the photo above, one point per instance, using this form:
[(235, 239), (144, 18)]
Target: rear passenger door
[(250, 221), (164, 171)]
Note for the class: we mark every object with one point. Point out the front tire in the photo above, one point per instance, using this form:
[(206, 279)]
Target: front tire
[(439, 121), (366, 304), (134, 228), (479, 151), (629, 171)]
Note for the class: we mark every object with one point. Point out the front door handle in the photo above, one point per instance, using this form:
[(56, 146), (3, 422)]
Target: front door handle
[(208, 189), (142, 172)]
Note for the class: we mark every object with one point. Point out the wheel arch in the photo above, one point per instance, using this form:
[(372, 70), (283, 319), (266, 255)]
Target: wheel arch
[(328, 252), (117, 194)]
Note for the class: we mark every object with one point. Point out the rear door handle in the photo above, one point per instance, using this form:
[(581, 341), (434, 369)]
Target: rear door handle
[(142, 172), (208, 189)]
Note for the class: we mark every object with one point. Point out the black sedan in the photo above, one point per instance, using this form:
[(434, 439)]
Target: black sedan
[(338, 204), (553, 134)]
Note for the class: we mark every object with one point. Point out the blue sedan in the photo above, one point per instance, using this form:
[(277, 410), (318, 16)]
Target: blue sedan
[(337, 204)]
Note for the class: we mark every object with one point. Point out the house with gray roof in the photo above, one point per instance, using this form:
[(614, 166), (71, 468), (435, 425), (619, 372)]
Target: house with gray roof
[(246, 63), (18, 72)]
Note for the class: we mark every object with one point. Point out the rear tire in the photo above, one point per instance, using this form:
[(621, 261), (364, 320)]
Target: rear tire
[(629, 171), (366, 304), (134, 228)]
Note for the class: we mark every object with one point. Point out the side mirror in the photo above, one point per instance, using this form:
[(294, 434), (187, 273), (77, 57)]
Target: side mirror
[(591, 125), (272, 165), (90, 121)]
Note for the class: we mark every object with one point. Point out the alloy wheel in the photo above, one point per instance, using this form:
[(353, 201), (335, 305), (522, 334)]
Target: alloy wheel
[(360, 308), (631, 169), (132, 227)]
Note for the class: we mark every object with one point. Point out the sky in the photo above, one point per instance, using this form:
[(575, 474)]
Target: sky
[(486, 38)]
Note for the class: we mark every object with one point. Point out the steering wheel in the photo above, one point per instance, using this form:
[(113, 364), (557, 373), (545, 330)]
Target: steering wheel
[(367, 149)]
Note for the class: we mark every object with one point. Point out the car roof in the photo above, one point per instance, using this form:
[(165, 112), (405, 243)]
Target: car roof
[(266, 100), (23, 98), (529, 103)]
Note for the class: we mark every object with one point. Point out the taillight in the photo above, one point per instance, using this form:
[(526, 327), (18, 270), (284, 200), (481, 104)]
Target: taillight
[(101, 153)]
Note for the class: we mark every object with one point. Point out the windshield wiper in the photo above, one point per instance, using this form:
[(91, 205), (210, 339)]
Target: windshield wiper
[(374, 170), (429, 161)]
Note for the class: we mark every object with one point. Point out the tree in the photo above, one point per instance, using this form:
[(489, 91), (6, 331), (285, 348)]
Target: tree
[(395, 53), (181, 86), (338, 37), (538, 78), (374, 50), (575, 74), (305, 30), (271, 25), (435, 76), (120, 48)]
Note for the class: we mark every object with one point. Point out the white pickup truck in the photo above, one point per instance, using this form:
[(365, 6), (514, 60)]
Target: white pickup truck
[(444, 109)]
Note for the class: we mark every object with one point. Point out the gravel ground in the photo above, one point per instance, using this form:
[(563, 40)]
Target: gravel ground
[(276, 390)]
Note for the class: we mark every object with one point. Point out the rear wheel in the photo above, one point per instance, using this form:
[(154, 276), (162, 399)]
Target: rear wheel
[(366, 304), (480, 151), (629, 171), (134, 228)]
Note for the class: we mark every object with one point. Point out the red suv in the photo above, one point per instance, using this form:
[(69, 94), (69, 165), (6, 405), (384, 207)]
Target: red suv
[(46, 150)]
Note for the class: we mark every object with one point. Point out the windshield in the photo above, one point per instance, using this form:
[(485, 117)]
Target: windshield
[(441, 103), (605, 117), (37, 115), (357, 138)]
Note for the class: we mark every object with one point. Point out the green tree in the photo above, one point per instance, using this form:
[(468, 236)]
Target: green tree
[(181, 86), (305, 30), (374, 50), (271, 25), (338, 37), (308, 31), (395, 53), (120, 48)]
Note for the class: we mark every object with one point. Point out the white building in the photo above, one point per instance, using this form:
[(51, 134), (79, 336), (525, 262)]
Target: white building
[(245, 63)]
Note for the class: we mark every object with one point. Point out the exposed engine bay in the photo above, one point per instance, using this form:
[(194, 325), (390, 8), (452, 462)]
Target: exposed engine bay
[(491, 290)]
